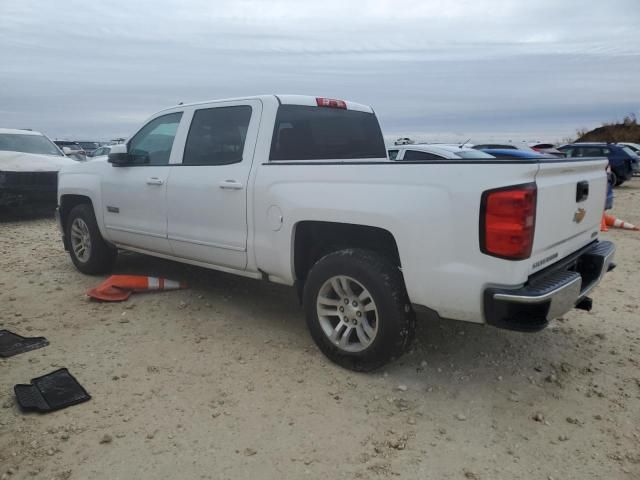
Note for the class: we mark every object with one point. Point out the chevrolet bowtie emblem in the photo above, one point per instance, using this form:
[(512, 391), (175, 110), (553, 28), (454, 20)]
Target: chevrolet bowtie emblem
[(579, 215)]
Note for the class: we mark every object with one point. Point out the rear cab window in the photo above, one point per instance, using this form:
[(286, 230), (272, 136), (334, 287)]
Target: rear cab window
[(307, 133)]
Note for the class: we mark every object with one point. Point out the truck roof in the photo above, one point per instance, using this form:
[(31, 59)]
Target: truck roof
[(285, 99)]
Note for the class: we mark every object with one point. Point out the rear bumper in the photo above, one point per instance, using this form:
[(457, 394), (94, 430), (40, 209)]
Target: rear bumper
[(550, 293)]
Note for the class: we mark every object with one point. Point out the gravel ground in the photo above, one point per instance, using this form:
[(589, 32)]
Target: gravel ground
[(222, 381)]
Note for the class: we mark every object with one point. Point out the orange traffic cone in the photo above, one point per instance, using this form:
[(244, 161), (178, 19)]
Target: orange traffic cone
[(603, 224), (612, 221), (117, 288)]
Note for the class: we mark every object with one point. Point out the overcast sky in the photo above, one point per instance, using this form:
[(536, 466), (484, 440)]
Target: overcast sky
[(437, 70)]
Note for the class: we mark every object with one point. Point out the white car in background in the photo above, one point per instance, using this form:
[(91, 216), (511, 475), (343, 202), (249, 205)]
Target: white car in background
[(547, 148), (438, 151), (100, 153), (29, 165), (633, 146)]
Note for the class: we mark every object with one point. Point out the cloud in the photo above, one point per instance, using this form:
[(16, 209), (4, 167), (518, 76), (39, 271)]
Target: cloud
[(436, 68)]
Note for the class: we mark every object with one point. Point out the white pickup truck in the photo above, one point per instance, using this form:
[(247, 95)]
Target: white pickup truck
[(299, 190)]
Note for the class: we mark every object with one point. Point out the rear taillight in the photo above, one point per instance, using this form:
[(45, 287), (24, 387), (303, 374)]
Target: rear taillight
[(331, 103), (507, 221)]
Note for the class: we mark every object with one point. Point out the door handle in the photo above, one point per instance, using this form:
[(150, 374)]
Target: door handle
[(154, 181), (230, 185)]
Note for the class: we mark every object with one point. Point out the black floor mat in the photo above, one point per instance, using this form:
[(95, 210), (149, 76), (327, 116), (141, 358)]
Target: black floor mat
[(51, 392), (13, 344)]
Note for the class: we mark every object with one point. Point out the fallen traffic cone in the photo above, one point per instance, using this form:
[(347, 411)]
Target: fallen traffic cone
[(603, 224), (117, 288), (612, 221)]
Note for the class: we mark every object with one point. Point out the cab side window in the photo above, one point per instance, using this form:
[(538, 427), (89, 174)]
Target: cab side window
[(393, 154), (217, 136), (152, 144)]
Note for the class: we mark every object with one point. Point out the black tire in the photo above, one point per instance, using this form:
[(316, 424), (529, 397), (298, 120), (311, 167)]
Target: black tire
[(102, 256), (395, 317)]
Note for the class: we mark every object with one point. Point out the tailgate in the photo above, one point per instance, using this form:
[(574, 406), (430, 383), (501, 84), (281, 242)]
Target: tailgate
[(571, 197)]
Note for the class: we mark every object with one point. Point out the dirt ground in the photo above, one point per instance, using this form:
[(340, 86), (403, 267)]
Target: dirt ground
[(222, 381)]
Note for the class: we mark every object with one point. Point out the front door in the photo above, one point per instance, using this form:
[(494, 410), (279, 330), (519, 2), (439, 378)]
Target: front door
[(207, 192), (135, 194)]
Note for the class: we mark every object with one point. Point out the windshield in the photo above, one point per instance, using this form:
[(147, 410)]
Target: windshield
[(629, 151), (473, 154), (39, 144)]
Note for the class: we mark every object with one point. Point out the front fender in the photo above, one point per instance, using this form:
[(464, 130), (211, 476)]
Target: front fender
[(85, 185)]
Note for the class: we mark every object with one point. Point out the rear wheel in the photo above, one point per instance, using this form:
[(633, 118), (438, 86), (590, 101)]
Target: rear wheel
[(357, 309), (88, 250)]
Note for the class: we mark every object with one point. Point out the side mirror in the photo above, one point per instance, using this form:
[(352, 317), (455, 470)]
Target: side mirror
[(118, 155), (67, 151)]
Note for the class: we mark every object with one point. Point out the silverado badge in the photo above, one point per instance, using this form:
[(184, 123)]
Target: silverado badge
[(579, 215)]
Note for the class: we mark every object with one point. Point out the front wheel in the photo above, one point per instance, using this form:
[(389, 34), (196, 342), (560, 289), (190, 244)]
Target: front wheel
[(88, 250), (357, 309)]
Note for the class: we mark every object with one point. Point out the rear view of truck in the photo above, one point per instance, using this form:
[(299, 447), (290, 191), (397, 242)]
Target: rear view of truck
[(553, 223), (368, 241)]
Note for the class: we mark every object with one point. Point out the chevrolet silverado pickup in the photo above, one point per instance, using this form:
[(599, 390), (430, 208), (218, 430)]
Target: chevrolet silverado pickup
[(299, 190)]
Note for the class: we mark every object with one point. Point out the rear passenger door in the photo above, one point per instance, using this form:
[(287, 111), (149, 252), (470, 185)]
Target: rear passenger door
[(207, 192)]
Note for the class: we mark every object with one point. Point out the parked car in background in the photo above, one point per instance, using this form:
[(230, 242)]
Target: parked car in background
[(72, 149), (434, 152), (635, 147), (622, 159), (29, 165), (100, 153), (300, 191), (549, 148), (89, 147), (515, 154), (502, 146)]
